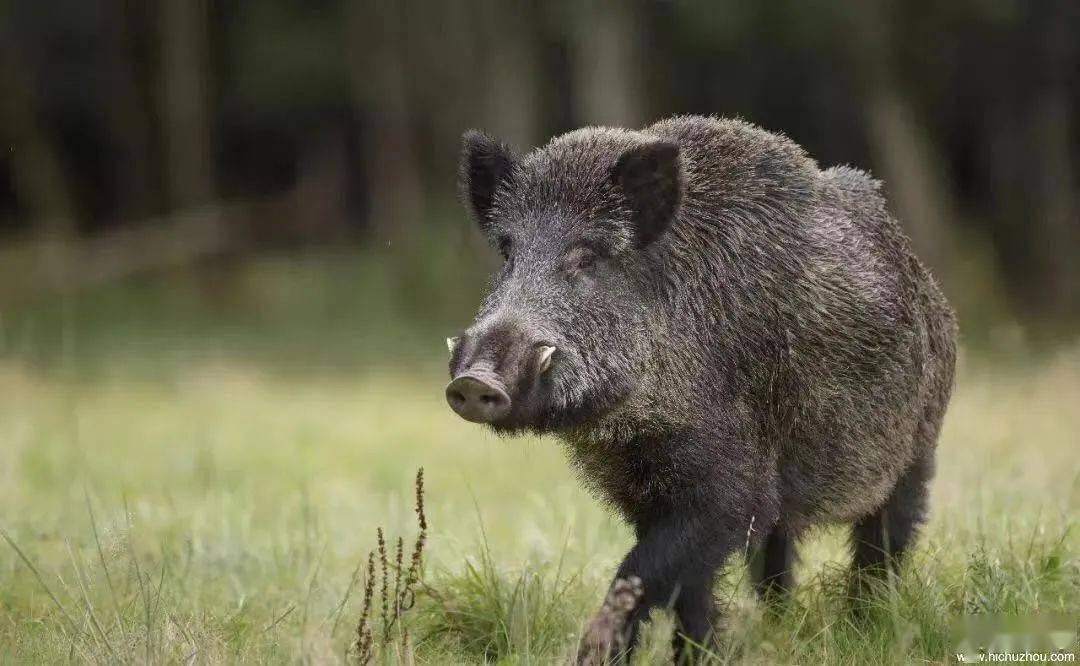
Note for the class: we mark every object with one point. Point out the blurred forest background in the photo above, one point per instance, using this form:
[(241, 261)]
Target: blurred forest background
[(281, 175)]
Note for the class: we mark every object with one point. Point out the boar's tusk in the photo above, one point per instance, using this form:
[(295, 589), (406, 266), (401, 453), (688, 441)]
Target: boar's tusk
[(545, 358), (451, 343)]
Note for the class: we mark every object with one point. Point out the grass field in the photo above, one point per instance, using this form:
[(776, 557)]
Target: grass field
[(223, 511)]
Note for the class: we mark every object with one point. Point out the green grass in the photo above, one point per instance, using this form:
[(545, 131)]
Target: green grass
[(207, 507)]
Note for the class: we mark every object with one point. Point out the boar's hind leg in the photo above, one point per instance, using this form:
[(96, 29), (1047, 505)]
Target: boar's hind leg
[(881, 538), (696, 613), (772, 566)]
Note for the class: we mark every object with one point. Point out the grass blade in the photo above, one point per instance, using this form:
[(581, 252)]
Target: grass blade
[(138, 576), (105, 568), (40, 580), (80, 578)]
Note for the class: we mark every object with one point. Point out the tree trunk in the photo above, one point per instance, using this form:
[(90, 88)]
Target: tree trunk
[(129, 119), (184, 98), (916, 180), (1055, 217), (380, 88), (902, 149), (39, 179), (1055, 214), (511, 72), (608, 73)]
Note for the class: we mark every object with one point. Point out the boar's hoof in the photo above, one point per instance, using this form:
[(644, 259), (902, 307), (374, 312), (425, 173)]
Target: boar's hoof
[(607, 634)]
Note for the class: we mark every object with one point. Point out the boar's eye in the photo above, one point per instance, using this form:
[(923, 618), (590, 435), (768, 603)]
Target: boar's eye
[(580, 260), (505, 247)]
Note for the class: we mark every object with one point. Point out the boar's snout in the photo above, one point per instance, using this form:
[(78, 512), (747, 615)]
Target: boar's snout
[(497, 369), (478, 397)]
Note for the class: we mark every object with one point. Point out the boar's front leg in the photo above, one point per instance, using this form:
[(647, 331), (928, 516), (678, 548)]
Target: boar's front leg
[(672, 565)]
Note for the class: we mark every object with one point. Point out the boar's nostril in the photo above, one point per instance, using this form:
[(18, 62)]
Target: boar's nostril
[(455, 397), (476, 399)]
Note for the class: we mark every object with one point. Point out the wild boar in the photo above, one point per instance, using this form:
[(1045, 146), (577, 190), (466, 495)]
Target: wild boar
[(733, 343)]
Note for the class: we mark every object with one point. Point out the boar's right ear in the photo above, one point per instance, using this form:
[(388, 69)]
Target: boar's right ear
[(485, 163), (651, 177)]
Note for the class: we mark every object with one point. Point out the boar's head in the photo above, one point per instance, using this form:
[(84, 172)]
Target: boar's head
[(567, 330)]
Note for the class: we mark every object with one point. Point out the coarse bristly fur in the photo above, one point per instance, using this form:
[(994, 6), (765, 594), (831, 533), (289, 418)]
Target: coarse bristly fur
[(746, 343)]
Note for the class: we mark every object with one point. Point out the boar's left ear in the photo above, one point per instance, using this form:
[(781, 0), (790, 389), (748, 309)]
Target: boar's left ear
[(651, 177), (485, 163)]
